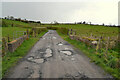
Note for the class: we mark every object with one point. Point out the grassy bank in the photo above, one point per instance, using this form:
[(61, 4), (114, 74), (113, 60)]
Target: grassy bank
[(11, 58), (98, 58)]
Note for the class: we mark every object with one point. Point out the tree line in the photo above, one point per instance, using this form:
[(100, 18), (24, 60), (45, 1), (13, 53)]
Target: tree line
[(22, 20)]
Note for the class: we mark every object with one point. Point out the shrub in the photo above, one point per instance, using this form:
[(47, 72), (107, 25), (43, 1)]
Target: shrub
[(4, 24)]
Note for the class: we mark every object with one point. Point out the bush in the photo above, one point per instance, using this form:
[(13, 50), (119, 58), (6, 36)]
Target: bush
[(4, 24)]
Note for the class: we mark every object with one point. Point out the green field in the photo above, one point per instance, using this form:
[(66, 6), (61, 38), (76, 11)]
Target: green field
[(11, 31), (12, 23), (81, 29), (96, 30)]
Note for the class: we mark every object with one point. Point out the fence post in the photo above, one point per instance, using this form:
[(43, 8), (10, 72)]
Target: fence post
[(101, 42), (91, 35), (71, 32), (35, 33), (98, 45), (4, 47), (107, 45), (27, 34), (8, 38), (75, 32)]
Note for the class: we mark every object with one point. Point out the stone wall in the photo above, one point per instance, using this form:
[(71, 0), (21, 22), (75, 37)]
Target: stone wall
[(13, 45)]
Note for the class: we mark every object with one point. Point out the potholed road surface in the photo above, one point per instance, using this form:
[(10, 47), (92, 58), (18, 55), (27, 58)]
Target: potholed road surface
[(52, 57)]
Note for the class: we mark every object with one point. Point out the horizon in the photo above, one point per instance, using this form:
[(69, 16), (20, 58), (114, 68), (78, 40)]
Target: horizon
[(64, 12)]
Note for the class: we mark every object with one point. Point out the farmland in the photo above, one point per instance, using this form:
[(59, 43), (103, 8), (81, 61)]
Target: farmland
[(109, 62), (8, 31), (96, 30)]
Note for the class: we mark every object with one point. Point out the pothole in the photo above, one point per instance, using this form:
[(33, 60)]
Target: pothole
[(67, 52), (26, 67), (60, 44), (30, 58), (48, 53), (35, 60), (75, 76), (38, 61), (54, 38)]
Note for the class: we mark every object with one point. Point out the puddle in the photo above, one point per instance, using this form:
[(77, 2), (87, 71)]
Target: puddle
[(60, 44), (26, 67), (38, 61), (54, 38), (66, 52), (48, 53), (30, 58), (35, 60)]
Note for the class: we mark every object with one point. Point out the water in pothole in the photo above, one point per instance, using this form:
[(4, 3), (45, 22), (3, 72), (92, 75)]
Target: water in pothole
[(54, 38), (66, 52), (60, 43), (48, 53), (30, 58), (35, 60), (38, 61)]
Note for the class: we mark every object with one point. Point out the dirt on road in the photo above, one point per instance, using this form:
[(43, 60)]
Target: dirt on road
[(52, 57)]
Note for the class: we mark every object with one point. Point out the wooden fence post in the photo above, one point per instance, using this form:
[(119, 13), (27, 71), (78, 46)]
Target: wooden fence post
[(107, 45), (91, 35), (4, 46), (101, 42), (35, 33), (8, 38), (71, 32), (98, 45), (27, 34), (75, 32)]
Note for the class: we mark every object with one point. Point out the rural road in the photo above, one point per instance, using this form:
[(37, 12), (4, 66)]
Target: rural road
[(52, 57)]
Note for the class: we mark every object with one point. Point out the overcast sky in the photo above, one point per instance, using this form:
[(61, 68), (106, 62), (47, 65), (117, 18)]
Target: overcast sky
[(95, 11)]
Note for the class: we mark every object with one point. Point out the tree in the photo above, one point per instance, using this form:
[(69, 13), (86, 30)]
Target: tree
[(38, 22), (55, 22), (84, 22), (11, 18), (103, 24)]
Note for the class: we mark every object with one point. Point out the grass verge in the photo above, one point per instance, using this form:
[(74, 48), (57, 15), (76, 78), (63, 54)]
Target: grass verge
[(11, 59), (98, 59)]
